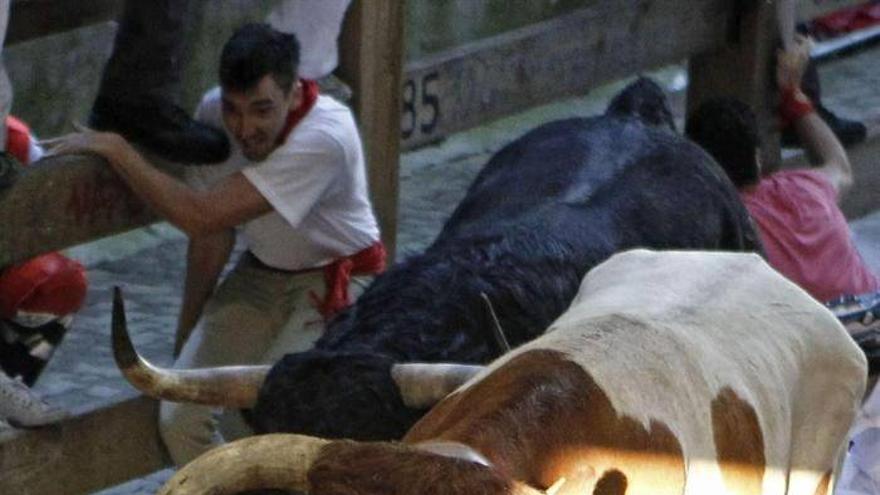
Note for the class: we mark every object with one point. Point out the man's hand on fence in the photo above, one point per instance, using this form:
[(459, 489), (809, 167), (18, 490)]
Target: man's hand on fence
[(87, 141)]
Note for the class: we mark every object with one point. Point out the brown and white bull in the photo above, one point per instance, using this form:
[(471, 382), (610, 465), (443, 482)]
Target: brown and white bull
[(671, 372)]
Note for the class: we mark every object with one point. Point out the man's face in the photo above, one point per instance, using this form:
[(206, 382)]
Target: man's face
[(256, 116)]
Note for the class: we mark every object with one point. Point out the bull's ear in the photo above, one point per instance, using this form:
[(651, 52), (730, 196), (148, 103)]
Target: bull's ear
[(422, 385)]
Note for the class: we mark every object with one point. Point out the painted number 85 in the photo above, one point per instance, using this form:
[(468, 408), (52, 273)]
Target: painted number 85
[(421, 105)]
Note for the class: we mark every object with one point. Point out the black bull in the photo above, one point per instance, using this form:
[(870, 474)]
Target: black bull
[(545, 209)]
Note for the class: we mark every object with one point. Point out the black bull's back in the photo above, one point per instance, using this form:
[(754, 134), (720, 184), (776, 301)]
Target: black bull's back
[(546, 209)]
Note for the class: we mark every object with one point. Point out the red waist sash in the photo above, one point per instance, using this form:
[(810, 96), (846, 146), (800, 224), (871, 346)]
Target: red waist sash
[(337, 276)]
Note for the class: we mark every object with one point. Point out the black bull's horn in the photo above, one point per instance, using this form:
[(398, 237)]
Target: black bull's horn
[(420, 385)]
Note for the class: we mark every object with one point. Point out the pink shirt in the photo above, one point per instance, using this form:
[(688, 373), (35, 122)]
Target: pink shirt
[(806, 235)]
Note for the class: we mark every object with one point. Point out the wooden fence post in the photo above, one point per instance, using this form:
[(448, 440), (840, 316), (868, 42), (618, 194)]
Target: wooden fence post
[(371, 61), (743, 69)]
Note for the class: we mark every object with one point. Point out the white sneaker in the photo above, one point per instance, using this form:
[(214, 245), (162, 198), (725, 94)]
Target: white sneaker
[(21, 407)]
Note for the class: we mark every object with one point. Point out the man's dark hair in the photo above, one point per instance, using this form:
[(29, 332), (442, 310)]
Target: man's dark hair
[(728, 130), (257, 50)]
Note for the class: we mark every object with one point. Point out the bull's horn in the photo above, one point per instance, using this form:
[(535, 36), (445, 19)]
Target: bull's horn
[(422, 385), (280, 461), (228, 386)]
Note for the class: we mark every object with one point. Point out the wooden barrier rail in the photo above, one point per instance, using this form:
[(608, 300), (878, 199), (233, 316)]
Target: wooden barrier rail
[(566, 56), (65, 201)]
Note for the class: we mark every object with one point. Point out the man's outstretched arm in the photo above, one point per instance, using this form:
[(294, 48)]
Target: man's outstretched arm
[(822, 146), (231, 202)]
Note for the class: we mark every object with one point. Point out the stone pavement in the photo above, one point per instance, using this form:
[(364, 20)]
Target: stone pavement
[(148, 264)]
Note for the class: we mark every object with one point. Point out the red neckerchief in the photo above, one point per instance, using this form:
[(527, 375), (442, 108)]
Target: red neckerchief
[(337, 276), (309, 97)]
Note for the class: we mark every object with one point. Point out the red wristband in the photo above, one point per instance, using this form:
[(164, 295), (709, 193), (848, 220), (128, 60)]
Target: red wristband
[(793, 106)]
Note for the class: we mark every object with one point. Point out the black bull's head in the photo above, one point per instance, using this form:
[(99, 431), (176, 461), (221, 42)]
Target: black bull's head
[(545, 209)]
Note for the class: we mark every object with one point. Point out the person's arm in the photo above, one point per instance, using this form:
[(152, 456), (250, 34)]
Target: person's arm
[(826, 151), (785, 17), (819, 141), (231, 202), (205, 259)]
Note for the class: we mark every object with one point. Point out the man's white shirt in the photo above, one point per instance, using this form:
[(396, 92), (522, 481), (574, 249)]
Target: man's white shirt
[(315, 181)]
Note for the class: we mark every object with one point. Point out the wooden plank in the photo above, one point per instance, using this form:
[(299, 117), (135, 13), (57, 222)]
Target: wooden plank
[(743, 69), (62, 201), (469, 85), (92, 450), (29, 19), (371, 61), (811, 9)]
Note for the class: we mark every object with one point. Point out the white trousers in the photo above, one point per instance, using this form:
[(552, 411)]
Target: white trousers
[(256, 316)]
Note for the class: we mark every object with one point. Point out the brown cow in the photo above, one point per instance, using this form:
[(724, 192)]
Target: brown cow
[(673, 372)]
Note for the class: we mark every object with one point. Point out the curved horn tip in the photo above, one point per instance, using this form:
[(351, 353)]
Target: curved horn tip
[(123, 349)]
